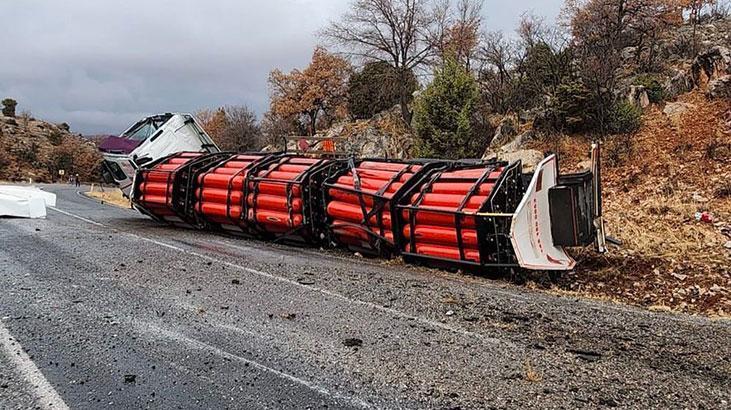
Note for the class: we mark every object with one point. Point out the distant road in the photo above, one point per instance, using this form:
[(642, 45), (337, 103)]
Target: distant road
[(103, 308)]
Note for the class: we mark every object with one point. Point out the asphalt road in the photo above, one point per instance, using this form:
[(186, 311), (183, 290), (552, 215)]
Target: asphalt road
[(103, 308)]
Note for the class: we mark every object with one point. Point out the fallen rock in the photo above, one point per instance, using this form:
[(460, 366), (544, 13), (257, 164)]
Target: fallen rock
[(529, 157), (353, 342), (305, 281), (675, 109), (586, 355), (679, 276)]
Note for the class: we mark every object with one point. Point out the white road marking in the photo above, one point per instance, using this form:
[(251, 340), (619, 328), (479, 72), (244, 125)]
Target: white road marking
[(48, 397), (76, 216), (156, 331), (362, 261), (330, 293)]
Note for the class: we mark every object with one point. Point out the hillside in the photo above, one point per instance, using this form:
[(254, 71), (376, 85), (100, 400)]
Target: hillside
[(655, 181), (36, 149)]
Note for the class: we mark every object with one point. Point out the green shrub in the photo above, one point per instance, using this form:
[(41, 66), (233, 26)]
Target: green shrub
[(445, 114), (376, 88), (653, 86), (55, 137), (9, 105), (569, 110), (624, 118)]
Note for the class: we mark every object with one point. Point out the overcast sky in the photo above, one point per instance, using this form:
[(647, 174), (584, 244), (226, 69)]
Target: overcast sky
[(101, 64)]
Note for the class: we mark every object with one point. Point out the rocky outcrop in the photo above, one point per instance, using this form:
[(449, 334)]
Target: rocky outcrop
[(680, 83), (638, 96), (383, 136), (720, 87), (515, 150), (713, 63), (367, 140), (505, 132), (31, 148), (529, 157)]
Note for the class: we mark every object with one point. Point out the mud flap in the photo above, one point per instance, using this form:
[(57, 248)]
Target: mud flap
[(530, 232)]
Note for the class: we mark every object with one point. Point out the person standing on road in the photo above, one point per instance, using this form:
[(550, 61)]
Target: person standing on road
[(76, 178)]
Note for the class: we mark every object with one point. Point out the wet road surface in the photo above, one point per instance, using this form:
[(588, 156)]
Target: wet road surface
[(102, 307)]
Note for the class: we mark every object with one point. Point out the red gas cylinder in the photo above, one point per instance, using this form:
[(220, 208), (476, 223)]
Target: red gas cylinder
[(441, 235), (220, 192), (439, 217), (276, 196), (371, 185), (154, 186), (446, 252)]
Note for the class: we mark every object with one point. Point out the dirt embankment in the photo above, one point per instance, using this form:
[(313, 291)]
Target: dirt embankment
[(656, 182), (38, 150)]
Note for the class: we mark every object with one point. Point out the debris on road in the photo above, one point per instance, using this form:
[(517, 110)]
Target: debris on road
[(353, 342), (705, 217), (305, 281), (25, 201)]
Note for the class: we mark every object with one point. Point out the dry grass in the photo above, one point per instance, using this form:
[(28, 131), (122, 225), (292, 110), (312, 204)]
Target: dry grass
[(651, 194), (111, 196), (531, 374)]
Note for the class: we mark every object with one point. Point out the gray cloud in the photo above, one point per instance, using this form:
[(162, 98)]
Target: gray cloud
[(100, 65)]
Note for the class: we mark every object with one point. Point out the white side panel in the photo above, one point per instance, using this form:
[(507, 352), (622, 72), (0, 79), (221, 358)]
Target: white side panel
[(24, 202), (531, 229)]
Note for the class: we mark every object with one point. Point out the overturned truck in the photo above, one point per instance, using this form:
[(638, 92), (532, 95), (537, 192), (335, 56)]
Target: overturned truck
[(485, 216), (148, 140)]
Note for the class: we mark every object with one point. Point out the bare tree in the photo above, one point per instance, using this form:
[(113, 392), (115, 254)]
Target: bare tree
[(545, 62), (498, 59), (403, 33), (242, 132), (461, 39), (598, 28)]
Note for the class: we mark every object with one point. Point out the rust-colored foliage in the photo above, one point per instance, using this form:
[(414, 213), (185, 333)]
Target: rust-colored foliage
[(214, 122), (316, 92)]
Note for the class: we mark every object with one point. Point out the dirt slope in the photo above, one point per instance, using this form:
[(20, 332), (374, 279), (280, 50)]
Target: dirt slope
[(36, 149), (654, 183)]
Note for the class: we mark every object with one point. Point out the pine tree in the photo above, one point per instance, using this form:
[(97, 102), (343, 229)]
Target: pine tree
[(444, 114)]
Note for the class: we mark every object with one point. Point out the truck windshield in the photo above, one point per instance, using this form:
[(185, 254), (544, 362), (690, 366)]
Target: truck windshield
[(146, 128)]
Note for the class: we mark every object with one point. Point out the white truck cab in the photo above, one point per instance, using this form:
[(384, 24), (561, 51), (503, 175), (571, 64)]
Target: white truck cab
[(158, 136)]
